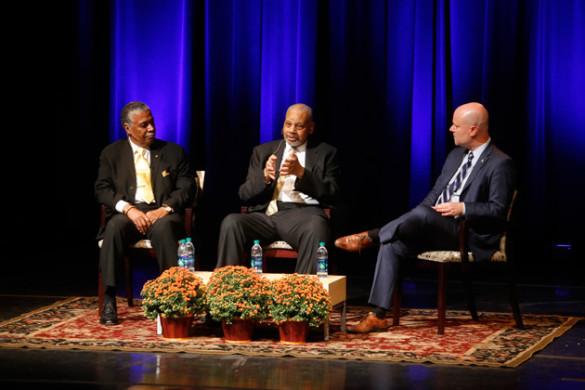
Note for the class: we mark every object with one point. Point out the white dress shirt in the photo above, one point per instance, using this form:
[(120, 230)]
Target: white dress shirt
[(288, 193), (135, 150)]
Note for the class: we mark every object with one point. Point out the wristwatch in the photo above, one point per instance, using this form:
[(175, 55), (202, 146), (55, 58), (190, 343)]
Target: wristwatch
[(168, 208)]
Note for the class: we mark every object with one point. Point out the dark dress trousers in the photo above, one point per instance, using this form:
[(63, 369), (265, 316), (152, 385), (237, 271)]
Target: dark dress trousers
[(487, 193), (172, 184), (302, 226)]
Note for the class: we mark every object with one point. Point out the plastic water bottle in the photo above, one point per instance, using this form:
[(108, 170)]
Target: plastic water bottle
[(189, 255), (322, 260), (182, 254), (256, 255)]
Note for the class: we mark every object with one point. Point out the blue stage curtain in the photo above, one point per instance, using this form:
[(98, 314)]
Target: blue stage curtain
[(383, 77), (151, 62), (554, 138)]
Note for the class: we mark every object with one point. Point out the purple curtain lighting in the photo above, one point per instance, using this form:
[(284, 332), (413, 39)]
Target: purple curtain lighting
[(151, 62), (383, 78)]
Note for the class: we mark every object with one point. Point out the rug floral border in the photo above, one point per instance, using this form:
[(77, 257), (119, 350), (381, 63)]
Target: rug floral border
[(493, 341)]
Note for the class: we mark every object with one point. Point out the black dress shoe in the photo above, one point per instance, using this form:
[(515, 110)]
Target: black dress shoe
[(109, 314)]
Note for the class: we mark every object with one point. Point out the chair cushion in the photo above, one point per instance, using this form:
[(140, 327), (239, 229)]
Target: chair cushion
[(279, 245), (455, 256), (142, 244)]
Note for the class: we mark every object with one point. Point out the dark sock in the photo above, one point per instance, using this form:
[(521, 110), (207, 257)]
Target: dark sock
[(374, 235), (380, 312)]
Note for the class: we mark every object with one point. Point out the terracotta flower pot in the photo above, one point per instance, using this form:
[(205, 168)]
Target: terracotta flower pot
[(293, 332), (239, 331), (176, 328)]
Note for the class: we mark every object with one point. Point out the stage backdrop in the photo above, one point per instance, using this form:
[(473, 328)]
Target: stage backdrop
[(382, 76)]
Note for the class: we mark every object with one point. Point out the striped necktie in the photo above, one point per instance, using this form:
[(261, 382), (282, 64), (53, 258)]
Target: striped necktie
[(456, 184), (144, 186)]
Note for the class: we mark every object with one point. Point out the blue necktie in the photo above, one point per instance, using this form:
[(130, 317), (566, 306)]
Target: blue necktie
[(456, 184)]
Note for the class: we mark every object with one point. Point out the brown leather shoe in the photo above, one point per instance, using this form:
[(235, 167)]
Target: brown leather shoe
[(369, 324), (355, 242)]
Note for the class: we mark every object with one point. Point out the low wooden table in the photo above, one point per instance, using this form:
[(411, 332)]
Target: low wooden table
[(334, 284)]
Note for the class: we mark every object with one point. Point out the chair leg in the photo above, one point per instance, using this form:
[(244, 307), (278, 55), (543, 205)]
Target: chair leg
[(442, 298), (100, 293), (128, 272), (469, 294), (513, 297), (396, 302)]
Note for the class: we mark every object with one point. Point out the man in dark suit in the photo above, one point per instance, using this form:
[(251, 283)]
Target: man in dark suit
[(477, 180), (145, 184), (288, 183)]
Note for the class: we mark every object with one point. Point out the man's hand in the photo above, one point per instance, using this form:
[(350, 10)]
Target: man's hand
[(144, 221), (449, 209), (270, 169), (292, 166), (157, 214), (140, 219)]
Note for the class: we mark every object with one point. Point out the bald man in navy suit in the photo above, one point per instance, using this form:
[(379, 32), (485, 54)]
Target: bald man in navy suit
[(484, 190)]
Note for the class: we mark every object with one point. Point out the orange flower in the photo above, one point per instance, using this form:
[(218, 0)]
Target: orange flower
[(175, 293)]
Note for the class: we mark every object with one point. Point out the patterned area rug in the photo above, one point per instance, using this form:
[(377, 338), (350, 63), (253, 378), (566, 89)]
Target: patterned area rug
[(492, 341)]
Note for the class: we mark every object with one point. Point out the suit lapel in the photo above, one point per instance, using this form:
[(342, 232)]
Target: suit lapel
[(155, 165), (483, 159), (452, 165), (279, 152), (155, 158), (127, 157), (311, 156)]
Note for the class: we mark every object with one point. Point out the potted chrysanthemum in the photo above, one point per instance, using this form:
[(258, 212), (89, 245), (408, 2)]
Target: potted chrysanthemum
[(237, 297), (177, 295), (297, 302)]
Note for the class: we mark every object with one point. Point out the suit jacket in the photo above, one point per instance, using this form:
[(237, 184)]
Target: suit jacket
[(487, 193), (320, 180), (172, 182)]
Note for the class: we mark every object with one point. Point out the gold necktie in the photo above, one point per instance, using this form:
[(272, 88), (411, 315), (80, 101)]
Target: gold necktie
[(144, 187), (272, 207)]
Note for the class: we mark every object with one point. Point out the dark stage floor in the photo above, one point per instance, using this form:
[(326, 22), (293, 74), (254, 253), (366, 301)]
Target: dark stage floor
[(561, 365)]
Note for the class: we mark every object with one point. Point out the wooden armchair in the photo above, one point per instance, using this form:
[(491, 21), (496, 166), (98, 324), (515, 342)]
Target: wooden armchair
[(464, 258), (143, 248)]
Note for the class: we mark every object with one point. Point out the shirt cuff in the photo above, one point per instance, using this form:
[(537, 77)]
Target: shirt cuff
[(120, 206)]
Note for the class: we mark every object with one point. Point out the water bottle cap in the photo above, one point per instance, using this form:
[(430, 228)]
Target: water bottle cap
[(182, 241), (256, 241), (321, 244), (188, 239)]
